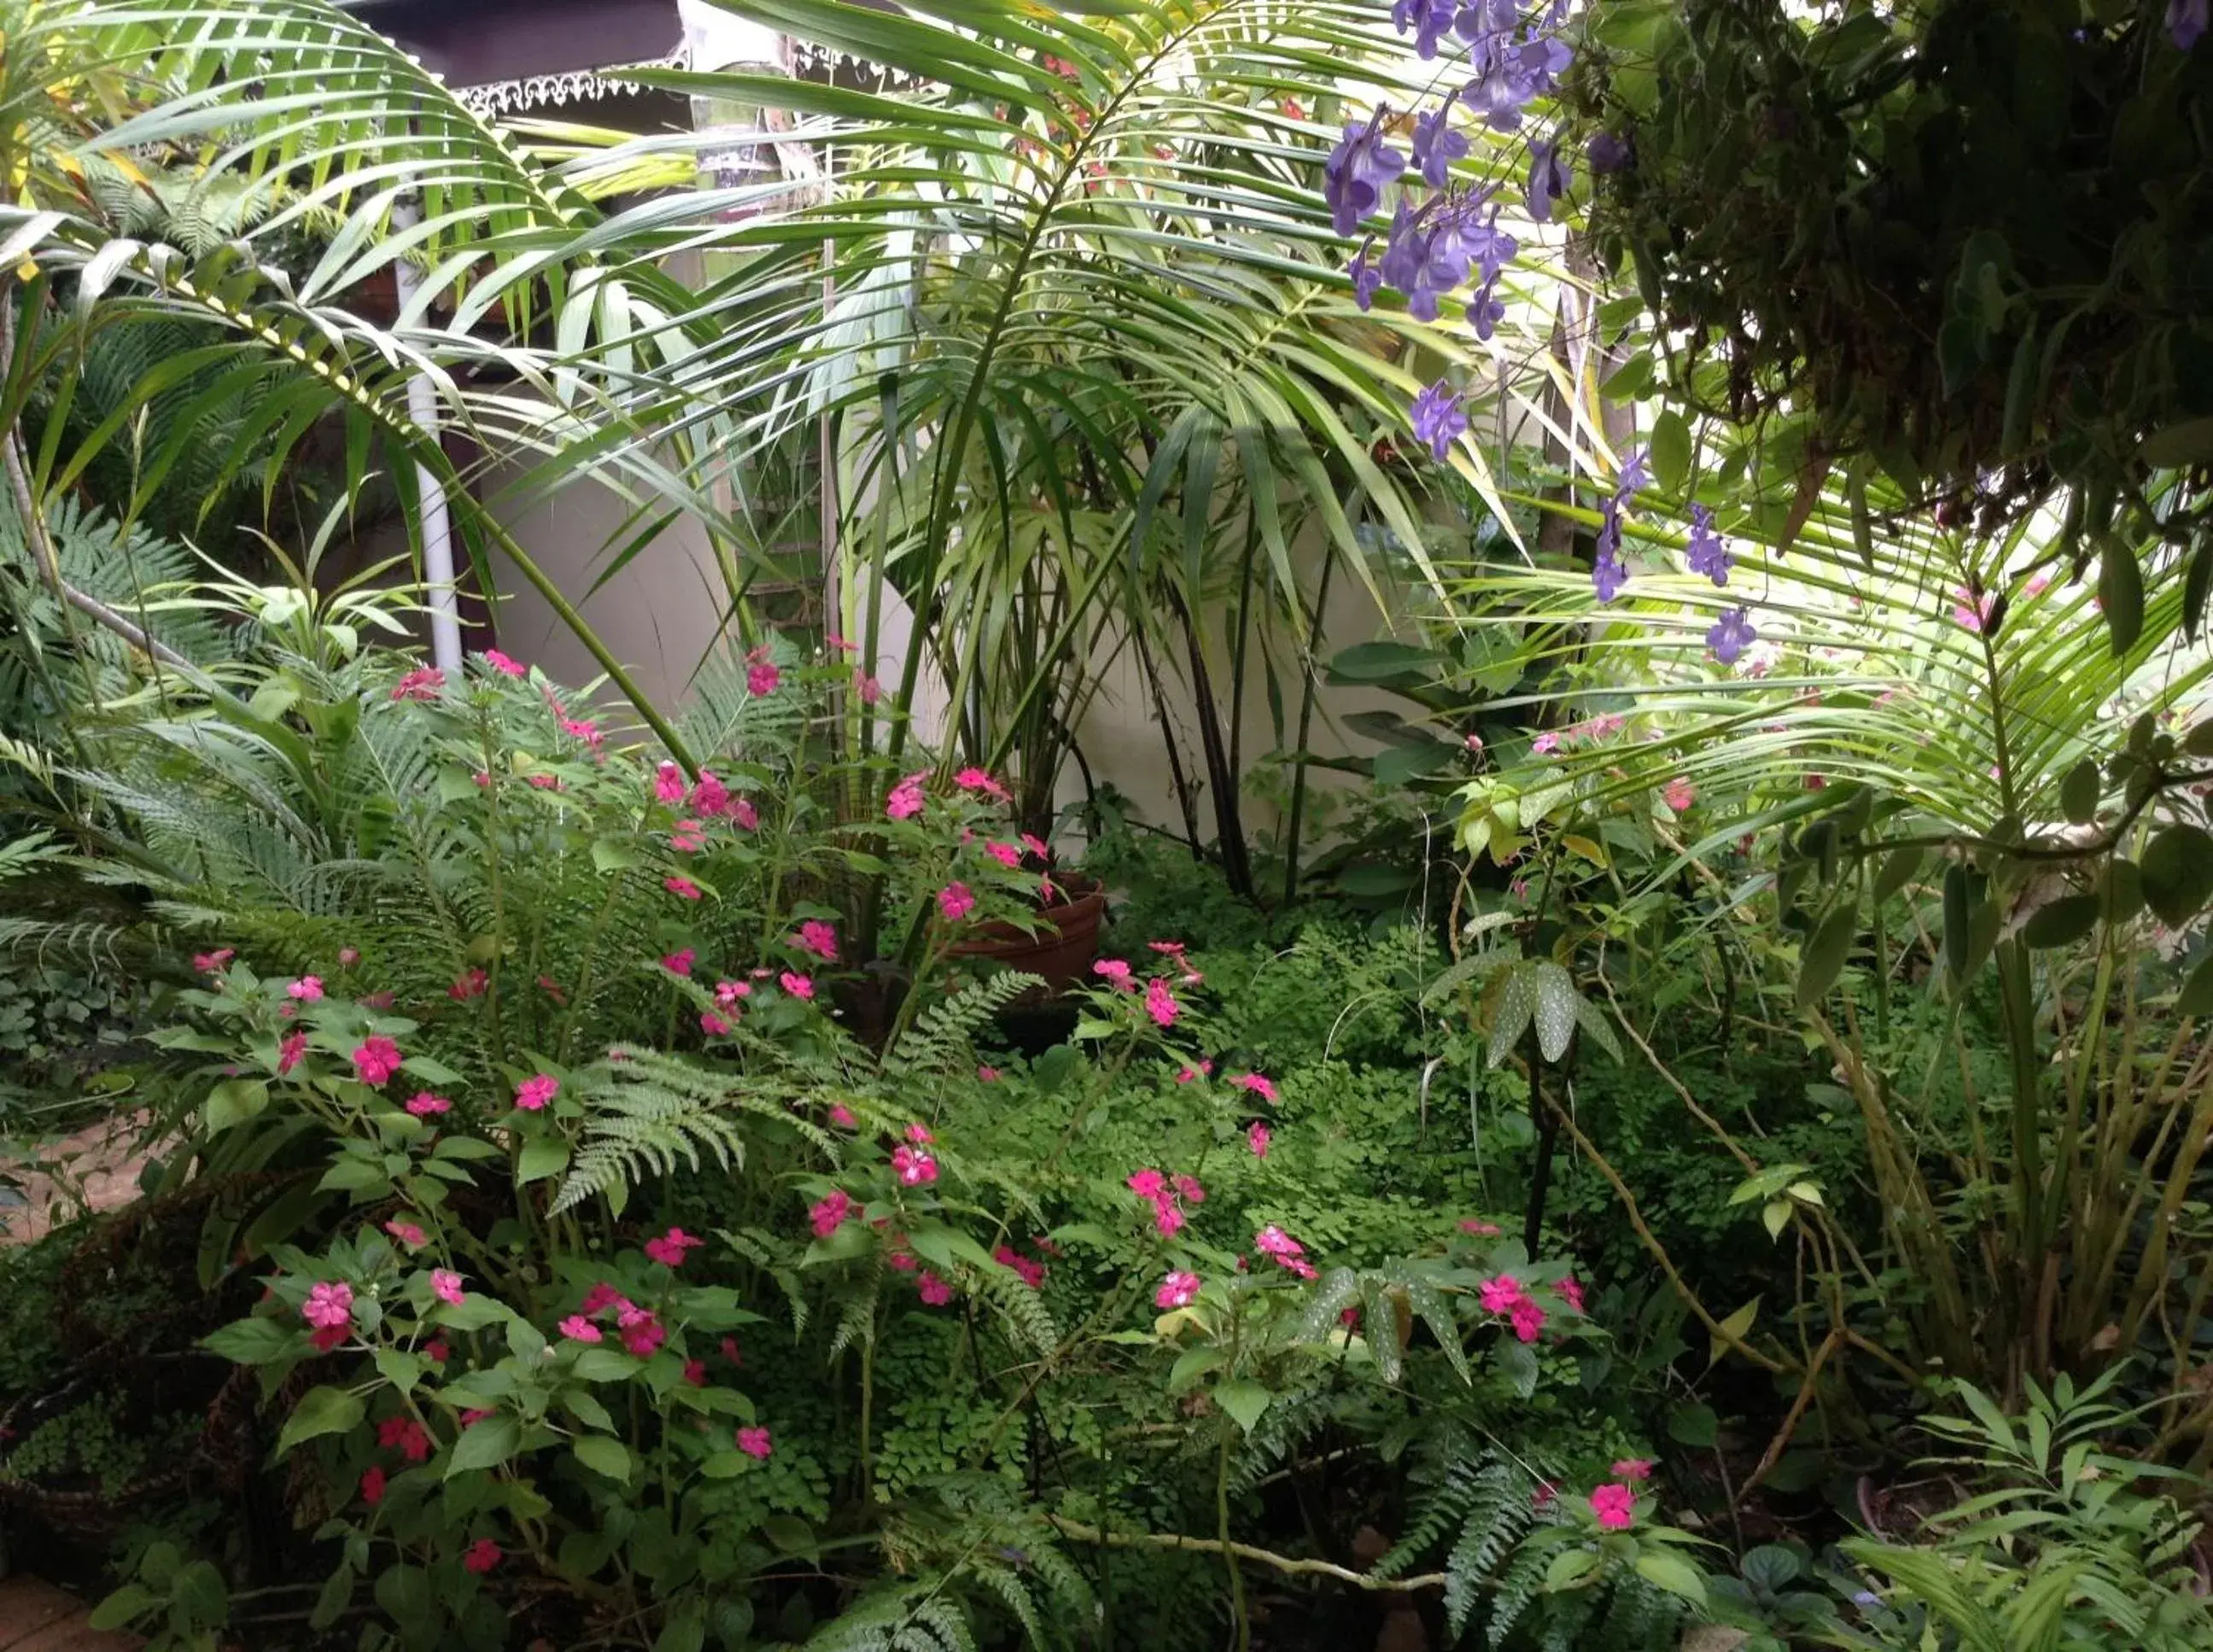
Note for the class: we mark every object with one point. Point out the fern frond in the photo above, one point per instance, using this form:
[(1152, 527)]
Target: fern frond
[(942, 1039)]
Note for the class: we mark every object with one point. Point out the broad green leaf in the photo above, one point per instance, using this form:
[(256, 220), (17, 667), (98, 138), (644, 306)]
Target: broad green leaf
[(541, 1158), (1243, 1400), (1738, 1327), (234, 1101), (603, 1455), (2062, 922), (1568, 1568), (2196, 997), (1673, 1573), (1823, 959), (485, 1444), (321, 1411), (1694, 1424), (2121, 594), (1670, 451), (251, 1342), (2080, 791), (2177, 868)]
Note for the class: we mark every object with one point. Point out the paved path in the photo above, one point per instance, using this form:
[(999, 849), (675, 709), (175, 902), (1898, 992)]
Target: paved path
[(37, 1617), (97, 1168)]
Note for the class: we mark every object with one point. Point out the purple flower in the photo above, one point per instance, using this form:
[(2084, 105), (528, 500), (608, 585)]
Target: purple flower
[(1366, 277), (1483, 18), (1608, 576), (1486, 245), (1430, 20), (1499, 96), (1484, 311), (1630, 479), (1608, 154), (1548, 179), (2186, 22), (1437, 143), (1426, 256), (1542, 62), (1357, 172), (1438, 419), (1709, 555), (1732, 634)]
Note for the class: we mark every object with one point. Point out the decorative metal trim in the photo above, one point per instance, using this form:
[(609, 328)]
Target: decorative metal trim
[(587, 85)]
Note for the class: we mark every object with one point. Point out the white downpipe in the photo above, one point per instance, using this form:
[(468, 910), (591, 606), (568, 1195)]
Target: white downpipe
[(437, 530)]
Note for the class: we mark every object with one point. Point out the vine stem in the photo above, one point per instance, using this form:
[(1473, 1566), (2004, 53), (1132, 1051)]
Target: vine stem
[(1229, 1549), (1290, 1565)]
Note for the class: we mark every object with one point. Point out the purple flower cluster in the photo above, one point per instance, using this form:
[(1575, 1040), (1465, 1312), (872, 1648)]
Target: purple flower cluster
[(2186, 22), (1709, 555), (1438, 419), (1731, 635), (1609, 573)]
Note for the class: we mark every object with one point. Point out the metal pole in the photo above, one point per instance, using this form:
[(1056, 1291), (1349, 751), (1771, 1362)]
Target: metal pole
[(437, 530)]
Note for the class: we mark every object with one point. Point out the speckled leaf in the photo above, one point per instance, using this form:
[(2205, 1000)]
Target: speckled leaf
[(1557, 999), (1517, 1002)]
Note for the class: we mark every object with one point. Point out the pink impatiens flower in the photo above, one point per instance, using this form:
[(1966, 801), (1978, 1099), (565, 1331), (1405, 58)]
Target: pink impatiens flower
[(473, 983), (1160, 1002), (744, 813), (919, 1134), (577, 1328), (422, 684), (842, 1116), (1633, 1468), (973, 779), (446, 1286), (1256, 1137), (914, 1168), (1678, 794), (601, 1297), (670, 1249), (1478, 1226), (375, 1060), (329, 1306), (1116, 974), (712, 1024), (214, 963), (933, 1290), (1028, 1269), (798, 986), (641, 1331), (1147, 1183), (502, 664), (483, 1555), (828, 1214), (423, 1105), (1006, 854), (905, 800), (687, 837), (682, 888), (1528, 1318), (819, 938), (668, 784), (372, 1485), (1500, 1294), (710, 797), (730, 993), (1287, 1253), (679, 963), (289, 1053), (307, 989), (1615, 1505), (406, 1437), (761, 679), (956, 900), (987, 1075), (409, 1233), (1572, 1291), (1177, 1290), (533, 1094), (1258, 1084), (755, 1442)]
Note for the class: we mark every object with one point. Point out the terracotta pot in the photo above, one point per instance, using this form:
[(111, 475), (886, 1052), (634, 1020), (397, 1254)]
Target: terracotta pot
[(1062, 950)]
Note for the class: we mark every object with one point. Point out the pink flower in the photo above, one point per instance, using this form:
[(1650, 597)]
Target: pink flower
[(1546, 744), (1160, 1002), (679, 963), (503, 665), (829, 1213), (682, 888), (670, 1249), (710, 797), (1633, 1468), (641, 1331), (1615, 1506), (2038, 585), (668, 784), (1188, 1189), (1147, 1183), (916, 1169), (836, 645), (533, 1094), (422, 684), (446, 1286), (867, 687), (407, 1233), (601, 1297), (1168, 1217), (798, 986), (761, 679), (1544, 1497), (583, 730), (472, 984), (1116, 974), (214, 963), (842, 1116), (1473, 742), (1500, 1294), (375, 1060), (987, 1075), (1678, 794), (898, 1258), (1203, 1068), (956, 901), (905, 800), (289, 1052), (712, 1024), (372, 1485), (1971, 611), (973, 779), (1478, 1226), (919, 1135), (687, 837), (1572, 1291), (577, 1328), (329, 1306), (1006, 854), (1256, 1137), (349, 956), (307, 989), (406, 1435), (755, 1442), (1272, 1240), (1528, 1318), (1029, 1268), (1177, 1290), (437, 1352), (695, 1373), (1258, 1084), (483, 1555), (422, 1103), (544, 782), (729, 993), (818, 938), (934, 1291)]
